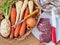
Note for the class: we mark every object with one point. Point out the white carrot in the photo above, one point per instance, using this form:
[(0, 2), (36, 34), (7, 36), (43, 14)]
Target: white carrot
[(30, 4), (23, 8), (18, 9)]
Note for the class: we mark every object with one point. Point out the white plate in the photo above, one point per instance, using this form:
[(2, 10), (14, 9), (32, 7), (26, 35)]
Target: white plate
[(36, 33)]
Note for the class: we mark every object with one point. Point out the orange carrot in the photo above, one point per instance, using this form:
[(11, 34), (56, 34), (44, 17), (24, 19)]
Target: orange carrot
[(23, 27), (12, 18), (16, 33), (17, 30), (12, 33)]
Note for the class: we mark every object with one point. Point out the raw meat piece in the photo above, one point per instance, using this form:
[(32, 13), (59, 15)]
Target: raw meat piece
[(45, 37), (44, 26)]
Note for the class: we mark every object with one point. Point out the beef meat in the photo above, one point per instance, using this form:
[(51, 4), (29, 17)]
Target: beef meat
[(45, 37), (44, 26)]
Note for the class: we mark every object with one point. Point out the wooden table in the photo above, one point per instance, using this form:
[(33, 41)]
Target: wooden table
[(30, 40)]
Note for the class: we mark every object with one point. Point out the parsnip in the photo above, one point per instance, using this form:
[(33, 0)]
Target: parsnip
[(18, 9), (23, 8), (30, 4)]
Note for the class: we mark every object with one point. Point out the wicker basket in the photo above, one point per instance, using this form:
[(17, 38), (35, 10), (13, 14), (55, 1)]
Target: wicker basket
[(29, 31)]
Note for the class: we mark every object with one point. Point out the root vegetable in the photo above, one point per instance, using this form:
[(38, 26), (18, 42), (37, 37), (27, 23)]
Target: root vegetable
[(25, 18), (13, 19), (30, 4), (32, 14), (5, 27), (21, 15), (5, 23), (18, 9), (23, 8), (31, 22), (17, 29), (16, 33), (23, 27)]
